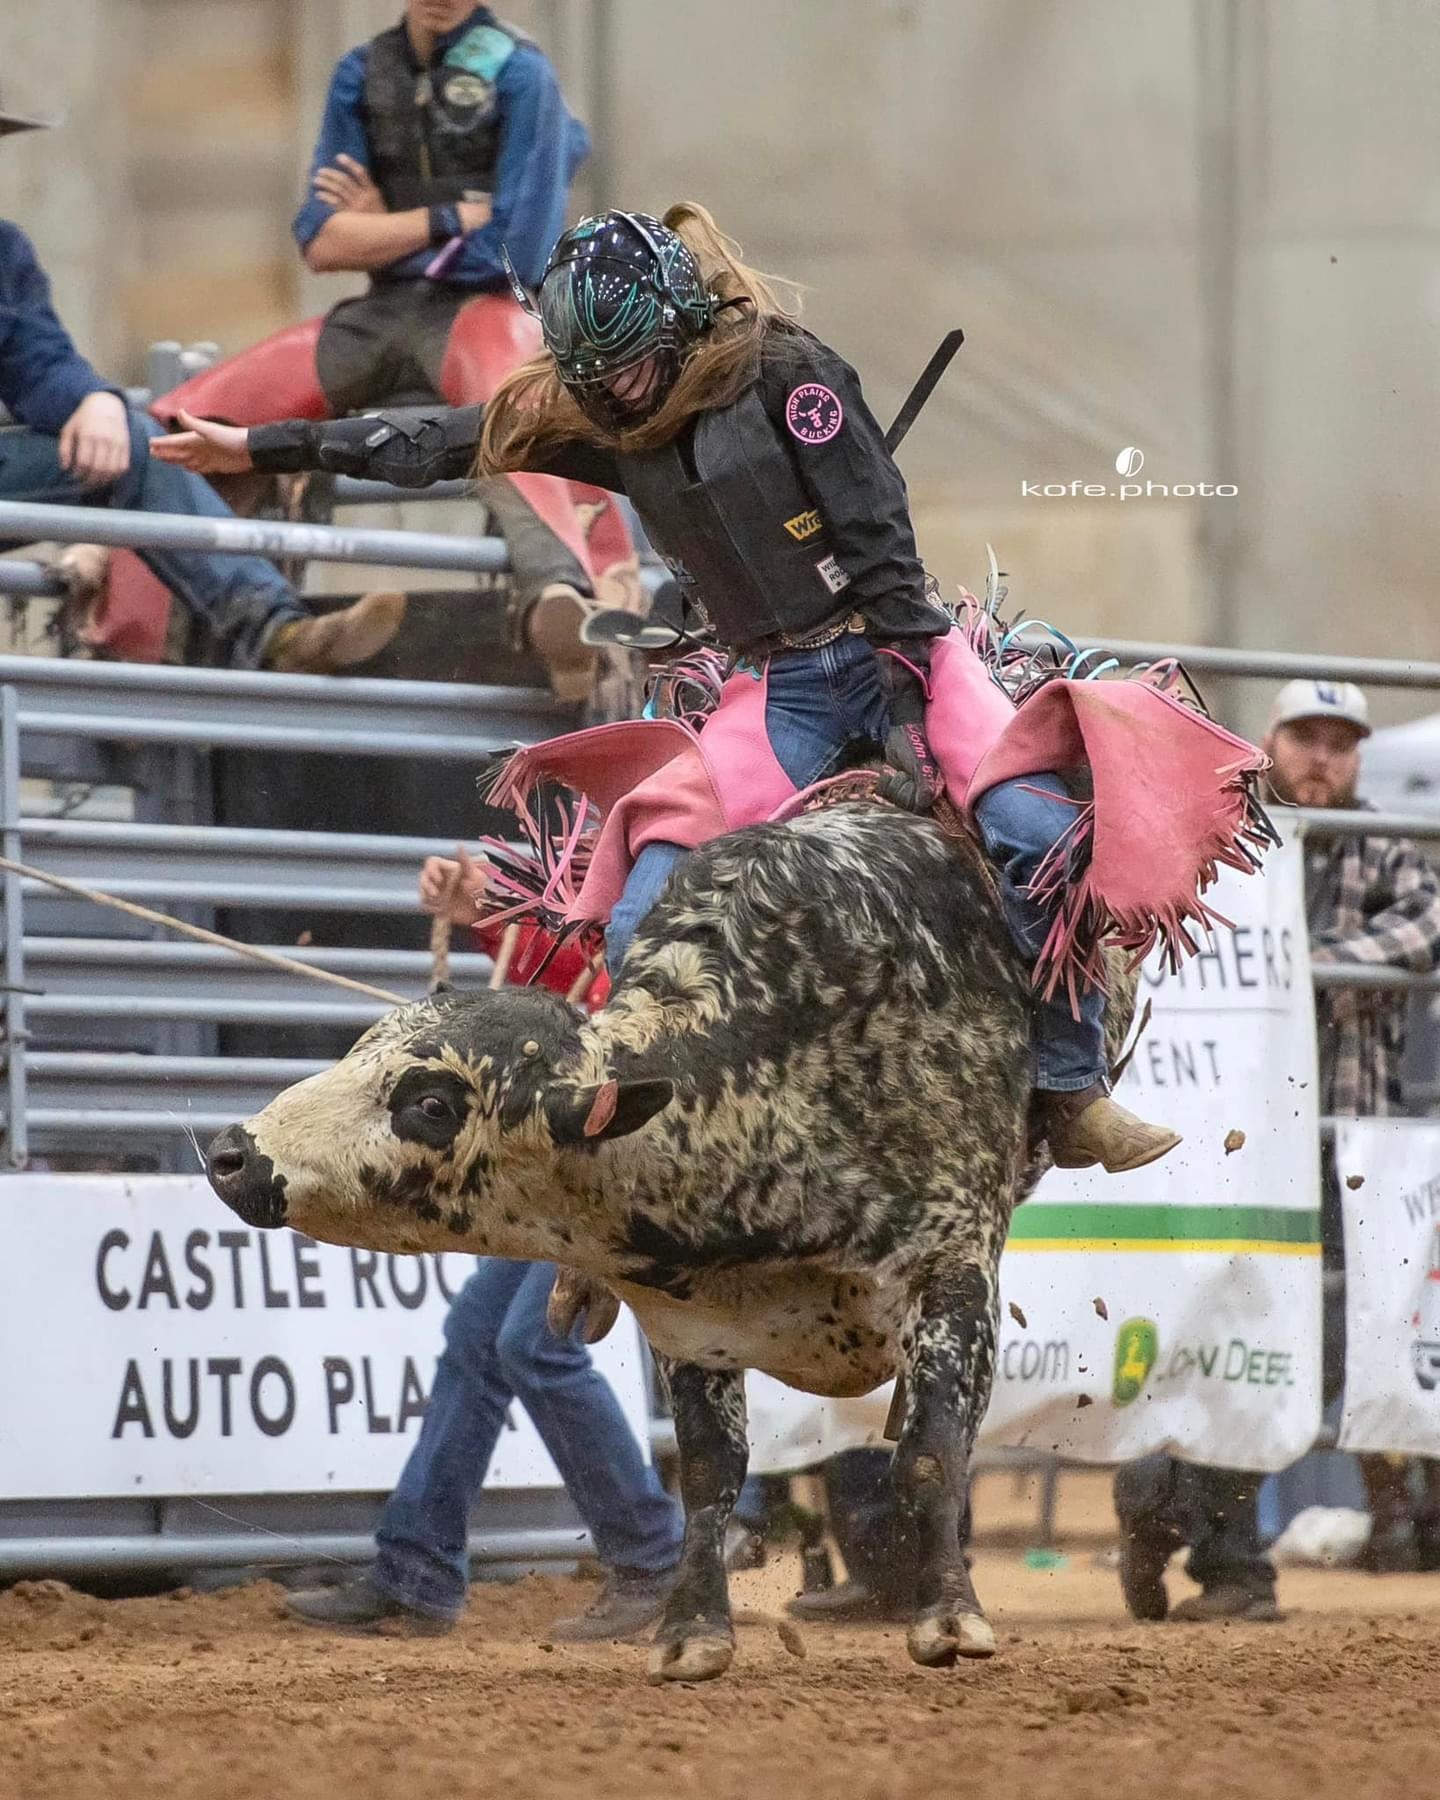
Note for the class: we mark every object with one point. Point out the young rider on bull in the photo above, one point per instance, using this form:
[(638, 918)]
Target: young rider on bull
[(673, 374)]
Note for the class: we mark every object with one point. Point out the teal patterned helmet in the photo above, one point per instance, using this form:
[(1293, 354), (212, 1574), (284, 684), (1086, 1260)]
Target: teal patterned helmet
[(619, 290)]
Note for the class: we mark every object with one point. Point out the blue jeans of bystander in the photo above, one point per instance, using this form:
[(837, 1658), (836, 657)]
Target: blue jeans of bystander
[(498, 1349)]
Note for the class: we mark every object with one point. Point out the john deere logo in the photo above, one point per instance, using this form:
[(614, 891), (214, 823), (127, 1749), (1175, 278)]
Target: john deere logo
[(1137, 1344)]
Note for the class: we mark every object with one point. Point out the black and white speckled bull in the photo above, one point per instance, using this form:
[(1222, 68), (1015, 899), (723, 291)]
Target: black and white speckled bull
[(792, 1141)]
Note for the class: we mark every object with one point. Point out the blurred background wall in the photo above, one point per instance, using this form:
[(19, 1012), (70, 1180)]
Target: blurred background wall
[(1209, 229)]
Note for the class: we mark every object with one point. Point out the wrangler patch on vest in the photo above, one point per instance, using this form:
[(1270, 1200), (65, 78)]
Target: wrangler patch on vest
[(483, 52)]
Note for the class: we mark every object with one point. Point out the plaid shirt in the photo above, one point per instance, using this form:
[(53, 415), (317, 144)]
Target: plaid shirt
[(1368, 900)]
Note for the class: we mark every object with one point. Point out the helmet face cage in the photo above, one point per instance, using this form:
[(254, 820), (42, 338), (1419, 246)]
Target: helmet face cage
[(619, 290)]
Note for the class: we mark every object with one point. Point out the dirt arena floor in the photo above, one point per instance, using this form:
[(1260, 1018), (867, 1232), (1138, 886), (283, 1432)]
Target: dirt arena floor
[(220, 1698)]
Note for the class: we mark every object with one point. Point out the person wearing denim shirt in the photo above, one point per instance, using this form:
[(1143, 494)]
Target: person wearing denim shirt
[(445, 146), (75, 441)]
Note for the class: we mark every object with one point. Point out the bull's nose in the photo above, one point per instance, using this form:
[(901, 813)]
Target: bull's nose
[(244, 1179), (229, 1153)]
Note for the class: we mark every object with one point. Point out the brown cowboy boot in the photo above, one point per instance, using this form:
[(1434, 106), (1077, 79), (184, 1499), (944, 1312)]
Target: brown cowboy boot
[(552, 630), (337, 640), (1087, 1127)]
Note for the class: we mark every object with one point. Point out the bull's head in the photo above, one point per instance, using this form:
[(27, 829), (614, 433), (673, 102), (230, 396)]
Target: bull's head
[(449, 1119)]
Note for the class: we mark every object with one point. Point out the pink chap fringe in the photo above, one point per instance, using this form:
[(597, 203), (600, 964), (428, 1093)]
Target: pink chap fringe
[(1086, 923), (539, 880)]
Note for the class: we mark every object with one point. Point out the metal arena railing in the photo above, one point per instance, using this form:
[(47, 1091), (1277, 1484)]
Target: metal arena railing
[(57, 979), (61, 1095)]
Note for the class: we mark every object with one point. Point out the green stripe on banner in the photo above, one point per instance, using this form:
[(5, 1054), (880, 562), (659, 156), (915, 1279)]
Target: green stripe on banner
[(1251, 1224)]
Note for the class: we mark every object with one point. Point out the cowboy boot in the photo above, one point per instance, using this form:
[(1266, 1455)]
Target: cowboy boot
[(1087, 1127), (83, 570), (552, 631), (337, 640)]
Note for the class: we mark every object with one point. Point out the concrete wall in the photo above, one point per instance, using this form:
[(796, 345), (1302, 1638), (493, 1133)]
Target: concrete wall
[(1023, 170), (1341, 330)]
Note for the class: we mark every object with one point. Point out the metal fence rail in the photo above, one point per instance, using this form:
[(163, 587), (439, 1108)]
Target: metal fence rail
[(231, 867), (1273, 665), (26, 521), (22, 578), (172, 1550), (108, 979), (1360, 823), (160, 967), (331, 714), (1367, 975)]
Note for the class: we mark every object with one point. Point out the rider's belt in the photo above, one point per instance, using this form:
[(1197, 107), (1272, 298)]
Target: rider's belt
[(812, 640)]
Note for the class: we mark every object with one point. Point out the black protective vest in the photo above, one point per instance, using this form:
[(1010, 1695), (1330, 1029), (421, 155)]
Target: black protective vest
[(434, 133), (743, 540)]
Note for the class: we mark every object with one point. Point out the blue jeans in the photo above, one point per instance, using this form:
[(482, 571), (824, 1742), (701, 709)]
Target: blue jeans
[(819, 704), (498, 1349), (1210, 1511), (1018, 826), (240, 600)]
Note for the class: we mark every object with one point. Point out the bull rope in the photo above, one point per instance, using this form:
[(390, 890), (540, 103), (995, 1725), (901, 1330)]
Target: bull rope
[(439, 952), (254, 952), (441, 928), (505, 955)]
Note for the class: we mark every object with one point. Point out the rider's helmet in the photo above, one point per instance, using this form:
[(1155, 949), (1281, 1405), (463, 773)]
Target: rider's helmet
[(619, 290)]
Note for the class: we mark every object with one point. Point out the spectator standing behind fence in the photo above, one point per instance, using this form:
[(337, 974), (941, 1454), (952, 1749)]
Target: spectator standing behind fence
[(445, 145), (498, 1348), (78, 443), (1371, 901), (1368, 900)]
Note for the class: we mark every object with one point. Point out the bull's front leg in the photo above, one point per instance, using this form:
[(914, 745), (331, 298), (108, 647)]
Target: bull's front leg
[(696, 1639), (949, 1347)]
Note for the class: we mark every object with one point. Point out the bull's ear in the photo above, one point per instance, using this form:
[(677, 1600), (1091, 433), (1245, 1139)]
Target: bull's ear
[(589, 1115)]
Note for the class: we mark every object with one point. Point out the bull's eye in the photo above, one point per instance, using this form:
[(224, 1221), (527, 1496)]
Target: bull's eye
[(429, 1106)]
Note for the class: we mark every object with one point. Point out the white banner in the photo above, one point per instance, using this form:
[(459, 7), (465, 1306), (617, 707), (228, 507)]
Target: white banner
[(1176, 1308), (1392, 1284), (154, 1345)]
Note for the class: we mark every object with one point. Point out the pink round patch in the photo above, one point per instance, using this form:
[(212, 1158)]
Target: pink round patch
[(813, 413)]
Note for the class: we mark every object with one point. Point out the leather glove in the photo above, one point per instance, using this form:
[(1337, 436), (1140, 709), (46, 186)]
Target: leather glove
[(912, 778)]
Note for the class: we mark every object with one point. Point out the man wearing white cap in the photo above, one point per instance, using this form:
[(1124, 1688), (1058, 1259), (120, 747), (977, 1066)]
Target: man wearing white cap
[(1368, 900), (1313, 739)]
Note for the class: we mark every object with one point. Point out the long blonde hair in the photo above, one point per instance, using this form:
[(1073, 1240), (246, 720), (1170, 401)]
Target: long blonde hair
[(531, 411)]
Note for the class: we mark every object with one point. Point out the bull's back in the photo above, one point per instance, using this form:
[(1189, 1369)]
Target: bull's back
[(866, 1058), (856, 907)]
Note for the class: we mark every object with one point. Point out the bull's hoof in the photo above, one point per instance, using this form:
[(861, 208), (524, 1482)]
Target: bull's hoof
[(574, 1297), (693, 1658), (939, 1639)]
